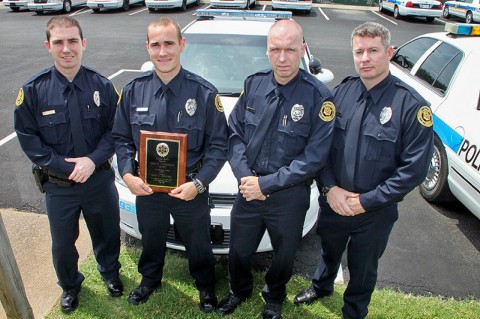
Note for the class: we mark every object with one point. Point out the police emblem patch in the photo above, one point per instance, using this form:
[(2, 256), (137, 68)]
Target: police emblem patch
[(218, 103), (424, 116), (385, 115), (191, 106), (297, 112), (96, 98), (327, 112), (162, 149), (20, 97)]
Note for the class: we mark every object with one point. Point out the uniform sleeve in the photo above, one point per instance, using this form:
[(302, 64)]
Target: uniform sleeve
[(310, 161), (416, 153), (216, 140), (28, 133), (125, 148), (105, 147), (236, 142)]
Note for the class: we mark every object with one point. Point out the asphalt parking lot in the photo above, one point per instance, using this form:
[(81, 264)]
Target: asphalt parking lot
[(433, 250)]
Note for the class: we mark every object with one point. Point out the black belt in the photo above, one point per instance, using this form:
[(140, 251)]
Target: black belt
[(63, 181)]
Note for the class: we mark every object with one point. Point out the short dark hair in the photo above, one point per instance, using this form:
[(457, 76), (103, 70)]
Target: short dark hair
[(62, 21), (372, 30), (163, 22)]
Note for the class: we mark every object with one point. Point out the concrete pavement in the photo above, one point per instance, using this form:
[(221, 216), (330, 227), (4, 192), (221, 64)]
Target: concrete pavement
[(30, 239)]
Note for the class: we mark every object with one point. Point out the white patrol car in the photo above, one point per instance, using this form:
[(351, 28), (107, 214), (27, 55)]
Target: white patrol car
[(430, 9), (15, 5), (40, 6), (297, 5), (443, 68), (97, 5), (465, 9), (236, 4), (152, 5), (224, 47)]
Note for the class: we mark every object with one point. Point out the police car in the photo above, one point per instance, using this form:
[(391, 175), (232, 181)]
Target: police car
[(152, 5), (465, 9), (443, 68), (15, 5), (97, 5), (239, 4), (297, 5), (40, 6), (430, 9), (224, 47)]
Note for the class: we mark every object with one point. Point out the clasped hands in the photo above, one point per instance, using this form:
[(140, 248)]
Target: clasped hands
[(344, 203), (250, 188)]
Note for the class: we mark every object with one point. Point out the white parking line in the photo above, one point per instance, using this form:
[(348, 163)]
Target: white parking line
[(141, 10), (8, 138), (323, 13), (81, 11), (383, 17)]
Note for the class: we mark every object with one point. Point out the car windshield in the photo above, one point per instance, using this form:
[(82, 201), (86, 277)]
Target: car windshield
[(225, 60)]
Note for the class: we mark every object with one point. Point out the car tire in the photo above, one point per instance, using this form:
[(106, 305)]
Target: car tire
[(151, 9), (16, 9), (67, 6), (184, 5), (435, 187), (446, 12), (38, 11), (380, 6), (396, 13), (126, 5), (96, 10), (430, 19), (469, 17)]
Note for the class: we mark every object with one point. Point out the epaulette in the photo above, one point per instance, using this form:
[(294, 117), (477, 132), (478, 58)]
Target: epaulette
[(197, 78), (38, 75), (411, 90), (348, 78), (89, 69), (319, 85), (140, 77)]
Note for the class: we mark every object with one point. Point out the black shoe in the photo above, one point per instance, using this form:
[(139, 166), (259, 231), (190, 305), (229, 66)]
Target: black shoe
[(69, 300), (272, 311), (229, 304), (141, 294), (114, 286), (208, 300), (306, 296)]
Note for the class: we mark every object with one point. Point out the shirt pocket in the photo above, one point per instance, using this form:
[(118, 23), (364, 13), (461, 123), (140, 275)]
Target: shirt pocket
[(54, 128), (92, 122), (295, 137), (142, 122), (380, 143), (193, 126), (251, 123)]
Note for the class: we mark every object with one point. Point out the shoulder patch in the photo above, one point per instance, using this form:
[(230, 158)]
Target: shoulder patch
[(327, 112), (218, 103), (424, 116), (20, 97)]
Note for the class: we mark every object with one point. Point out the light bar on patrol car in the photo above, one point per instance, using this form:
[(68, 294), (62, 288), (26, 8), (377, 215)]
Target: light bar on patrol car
[(217, 13), (462, 28)]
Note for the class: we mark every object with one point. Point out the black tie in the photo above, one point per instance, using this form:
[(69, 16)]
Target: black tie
[(260, 133), (347, 180), (76, 126), (162, 111)]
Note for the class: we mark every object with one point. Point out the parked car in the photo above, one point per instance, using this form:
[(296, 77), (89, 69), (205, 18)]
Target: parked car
[(152, 5), (443, 68), (224, 47), (97, 5), (297, 5), (465, 9), (16, 5), (40, 6), (430, 9), (239, 4)]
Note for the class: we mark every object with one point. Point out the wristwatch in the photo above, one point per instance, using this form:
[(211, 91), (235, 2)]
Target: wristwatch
[(326, 189), (201, 189)]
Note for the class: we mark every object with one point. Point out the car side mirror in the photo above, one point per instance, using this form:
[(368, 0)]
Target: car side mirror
[(315, 65)]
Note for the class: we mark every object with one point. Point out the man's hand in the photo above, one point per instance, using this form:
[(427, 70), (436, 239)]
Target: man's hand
[(355, 205), (185, 192), (337, 199), (250, 189), (84, 168), (136, 185)]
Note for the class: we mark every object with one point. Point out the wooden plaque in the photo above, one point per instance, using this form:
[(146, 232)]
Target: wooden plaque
[(163, 160)]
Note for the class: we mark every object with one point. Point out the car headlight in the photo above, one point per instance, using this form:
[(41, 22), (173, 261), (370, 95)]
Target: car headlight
[(118, 178)]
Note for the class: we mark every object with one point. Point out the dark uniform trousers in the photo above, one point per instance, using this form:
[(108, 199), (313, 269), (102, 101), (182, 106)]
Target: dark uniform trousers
[(97, 199), (283, 215), (192, 220), (365, 236)]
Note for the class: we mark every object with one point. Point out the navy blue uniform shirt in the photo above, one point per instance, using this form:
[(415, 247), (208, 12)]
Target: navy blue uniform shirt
[(298, 141), (42, 120), (395, 143), (206, 126)]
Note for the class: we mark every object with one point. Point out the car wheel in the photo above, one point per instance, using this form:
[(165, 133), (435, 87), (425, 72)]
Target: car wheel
[(151, 9), (38, 11), (126, 5), (380, 6), (446, 13), (67, 6), (96, 10), (247, 6), (396, 14), (469, 17), (435, 186), (430, 19), (184, 5), (15, 9)]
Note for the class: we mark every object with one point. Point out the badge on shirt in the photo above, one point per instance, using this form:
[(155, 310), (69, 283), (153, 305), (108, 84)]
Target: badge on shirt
[(424, 116), (218, 103), (20, 97), (297, 112), (162, 149), (327, 112), (385, 115), (96, 98), (191, 106)]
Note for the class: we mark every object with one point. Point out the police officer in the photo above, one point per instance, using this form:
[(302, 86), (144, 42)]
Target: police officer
[(280, 137), (381, 150), (63, 119), (172, 99)]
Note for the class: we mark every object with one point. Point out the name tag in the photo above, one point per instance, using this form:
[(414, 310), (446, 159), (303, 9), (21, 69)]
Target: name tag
[(49, 112), (142, 109)]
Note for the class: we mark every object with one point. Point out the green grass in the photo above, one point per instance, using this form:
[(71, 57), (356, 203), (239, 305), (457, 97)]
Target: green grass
[(178, 298)]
